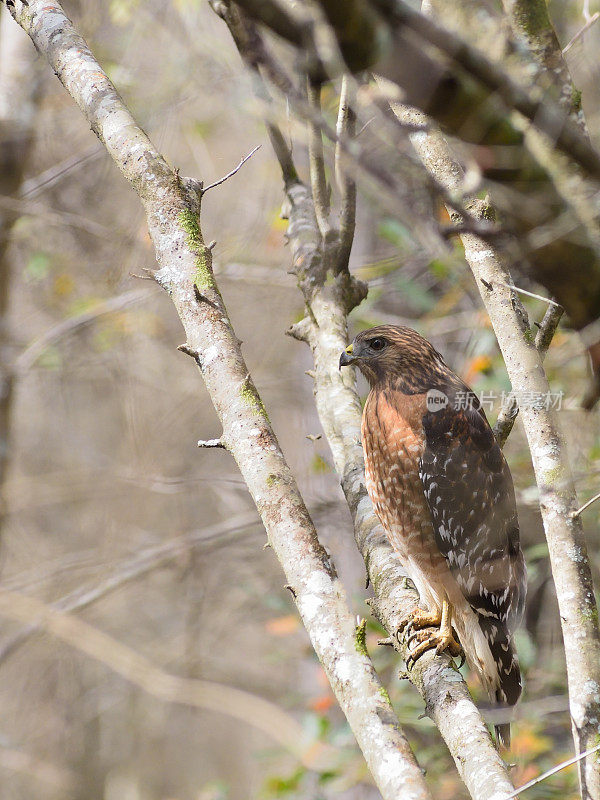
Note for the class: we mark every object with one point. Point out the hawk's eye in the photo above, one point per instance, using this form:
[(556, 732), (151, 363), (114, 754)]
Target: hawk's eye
[(378, 343)]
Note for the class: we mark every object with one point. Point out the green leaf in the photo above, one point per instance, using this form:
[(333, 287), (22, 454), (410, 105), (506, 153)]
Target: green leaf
[(418, 297), (441, 269), (279, 785), (396, 233), (38, 266)]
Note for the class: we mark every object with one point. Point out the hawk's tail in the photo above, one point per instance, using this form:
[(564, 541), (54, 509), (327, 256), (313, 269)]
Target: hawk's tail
[(503, 734), (509, 686)]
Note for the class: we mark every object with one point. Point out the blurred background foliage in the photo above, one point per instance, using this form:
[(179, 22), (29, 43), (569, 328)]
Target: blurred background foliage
[(103, 464)]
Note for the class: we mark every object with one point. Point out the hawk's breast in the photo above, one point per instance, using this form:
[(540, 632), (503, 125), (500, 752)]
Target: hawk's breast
[(393, 442)]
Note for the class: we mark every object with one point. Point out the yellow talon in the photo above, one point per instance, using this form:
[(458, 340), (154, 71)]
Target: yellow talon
[(440, 640)]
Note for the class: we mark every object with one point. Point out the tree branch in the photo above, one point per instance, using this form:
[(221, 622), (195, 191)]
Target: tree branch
[(232, 172), (27, 358), (242, 705), (345, 129), (531, 24), (19, 99), (594, 18), (132, 569), (510, 409), (317, 161), (186, 273)]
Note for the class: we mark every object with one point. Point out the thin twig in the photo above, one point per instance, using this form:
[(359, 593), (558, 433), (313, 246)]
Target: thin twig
[(233, 171), (510, 409), (212, 443), (129, 570), (346, 127), (552, 771), (318, 179), (585, 505), (30, 355), (581, 31), (532, 294)]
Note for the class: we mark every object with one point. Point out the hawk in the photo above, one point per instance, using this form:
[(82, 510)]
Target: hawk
[(444, 494)]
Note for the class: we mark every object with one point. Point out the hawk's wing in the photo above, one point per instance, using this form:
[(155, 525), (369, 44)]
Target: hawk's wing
[(470, 494)]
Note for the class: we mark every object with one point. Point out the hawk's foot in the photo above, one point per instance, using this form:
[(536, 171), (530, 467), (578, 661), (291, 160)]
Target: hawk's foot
[(417, 629), (417, 619), (439, 641)]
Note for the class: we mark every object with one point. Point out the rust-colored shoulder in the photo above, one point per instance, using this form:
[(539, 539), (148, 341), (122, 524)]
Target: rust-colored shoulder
[(386, 410)]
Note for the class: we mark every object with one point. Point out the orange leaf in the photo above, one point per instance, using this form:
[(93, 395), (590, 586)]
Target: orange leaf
[(322, 703), (282, 626), (526, 741), (477, 365)]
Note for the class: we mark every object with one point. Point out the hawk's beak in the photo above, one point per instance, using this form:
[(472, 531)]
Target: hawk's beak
[(347, 356)]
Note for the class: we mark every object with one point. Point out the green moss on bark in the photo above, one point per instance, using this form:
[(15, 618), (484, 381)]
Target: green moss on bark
[(360, 638), (249, 396), (203, 277)]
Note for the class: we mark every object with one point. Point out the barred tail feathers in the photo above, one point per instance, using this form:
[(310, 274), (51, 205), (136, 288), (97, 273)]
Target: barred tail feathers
[(509, 685)]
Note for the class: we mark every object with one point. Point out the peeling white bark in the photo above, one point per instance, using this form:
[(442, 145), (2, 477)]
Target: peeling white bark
[(185, 272)]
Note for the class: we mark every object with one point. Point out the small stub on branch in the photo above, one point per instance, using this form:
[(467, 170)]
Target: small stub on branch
[(219, 443), (189, 351)]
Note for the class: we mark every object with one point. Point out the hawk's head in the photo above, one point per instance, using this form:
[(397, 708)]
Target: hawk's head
[(393, 354)]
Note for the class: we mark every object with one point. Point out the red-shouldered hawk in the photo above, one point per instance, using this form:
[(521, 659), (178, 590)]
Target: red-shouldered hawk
[(444, 494)]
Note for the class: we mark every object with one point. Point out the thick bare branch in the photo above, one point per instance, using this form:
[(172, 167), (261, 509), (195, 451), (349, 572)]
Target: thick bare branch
[(531, 24), (186, 273), (566, 540)]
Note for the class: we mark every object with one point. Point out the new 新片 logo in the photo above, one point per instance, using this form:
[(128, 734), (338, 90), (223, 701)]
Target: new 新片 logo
[(436, 400)]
